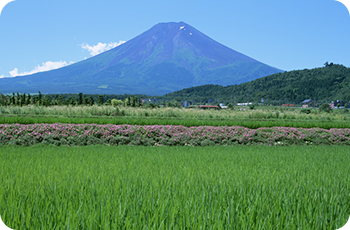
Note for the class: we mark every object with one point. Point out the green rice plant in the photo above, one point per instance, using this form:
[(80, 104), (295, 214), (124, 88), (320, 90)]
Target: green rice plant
[(3, 110), (122, 119), (193, 113), (240, 187)]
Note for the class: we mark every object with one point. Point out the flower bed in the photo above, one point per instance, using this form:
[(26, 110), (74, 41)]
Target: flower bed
[(90, 134)]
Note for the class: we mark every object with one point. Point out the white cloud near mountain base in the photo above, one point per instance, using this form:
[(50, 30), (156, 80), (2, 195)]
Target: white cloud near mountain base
[(100, 47), (50, 65)]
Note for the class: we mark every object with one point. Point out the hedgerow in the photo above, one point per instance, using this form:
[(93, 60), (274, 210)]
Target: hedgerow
[(170, 135)]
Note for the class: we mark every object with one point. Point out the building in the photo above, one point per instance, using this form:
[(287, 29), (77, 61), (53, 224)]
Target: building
[(288, 105), (208, 107), (308, 103)]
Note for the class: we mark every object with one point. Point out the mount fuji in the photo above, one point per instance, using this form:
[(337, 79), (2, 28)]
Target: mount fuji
[(167, 57)]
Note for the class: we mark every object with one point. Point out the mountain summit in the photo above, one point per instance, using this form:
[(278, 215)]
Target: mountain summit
[(165, 58)]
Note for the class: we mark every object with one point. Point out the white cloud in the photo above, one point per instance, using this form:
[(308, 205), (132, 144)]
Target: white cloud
[(100, 47), (94, 50), (44, 67)]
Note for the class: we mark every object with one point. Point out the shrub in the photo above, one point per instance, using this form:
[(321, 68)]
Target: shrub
[(305, 110), (116, 102), (325, 108)]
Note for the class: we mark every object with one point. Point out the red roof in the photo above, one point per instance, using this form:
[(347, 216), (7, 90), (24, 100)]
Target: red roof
[(208, 106)]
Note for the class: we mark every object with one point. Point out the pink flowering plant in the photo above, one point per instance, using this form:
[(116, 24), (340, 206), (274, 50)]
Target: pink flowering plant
[(171, 135)]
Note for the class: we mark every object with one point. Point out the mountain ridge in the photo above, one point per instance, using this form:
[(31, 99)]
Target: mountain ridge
[(165, 58), (322, 84)]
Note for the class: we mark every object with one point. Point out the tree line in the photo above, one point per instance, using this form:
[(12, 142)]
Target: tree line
[(326, 84), (23, 99)]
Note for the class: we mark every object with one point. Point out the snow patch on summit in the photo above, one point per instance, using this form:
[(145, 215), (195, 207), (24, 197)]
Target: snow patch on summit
[(182, 27)]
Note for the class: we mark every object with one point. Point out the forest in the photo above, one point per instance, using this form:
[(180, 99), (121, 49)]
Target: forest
[(326, 84)]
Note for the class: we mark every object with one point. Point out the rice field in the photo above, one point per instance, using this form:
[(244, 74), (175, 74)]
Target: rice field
[(249, 123), (261, 117), (139, 187), (240, 112)]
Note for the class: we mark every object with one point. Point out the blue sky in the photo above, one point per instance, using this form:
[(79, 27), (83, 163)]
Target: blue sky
[(38, 35)]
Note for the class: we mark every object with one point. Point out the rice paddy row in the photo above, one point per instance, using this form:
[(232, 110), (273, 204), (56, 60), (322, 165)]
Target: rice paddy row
[(249, 123), (98, 187)]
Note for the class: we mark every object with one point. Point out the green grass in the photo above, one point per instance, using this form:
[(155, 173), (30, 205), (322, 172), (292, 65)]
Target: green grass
[(101, 187), (263, 116), (249, 123)]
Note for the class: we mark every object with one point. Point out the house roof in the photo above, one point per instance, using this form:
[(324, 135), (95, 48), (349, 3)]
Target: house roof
[(307, 100), (208, 106)]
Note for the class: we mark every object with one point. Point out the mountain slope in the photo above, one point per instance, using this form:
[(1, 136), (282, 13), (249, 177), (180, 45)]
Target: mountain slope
[(167, 57), (327, 83)]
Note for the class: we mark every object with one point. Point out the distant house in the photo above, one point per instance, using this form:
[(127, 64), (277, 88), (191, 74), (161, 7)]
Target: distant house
[(244, 104), (208, 107), (338, 102), (288, 105), (308, 103)]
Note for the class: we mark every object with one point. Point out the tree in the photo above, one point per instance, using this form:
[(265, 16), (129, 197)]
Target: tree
[(116, 102), (46, 100), (92, 101), (100, 100), (13, 99), (33, 100), (127, 101), (18, 101), (80, 100), (40, 98), (328, 64), (325, 108), (173, 103), (60, 100), (29, 99), (72, 101), (86, 101)]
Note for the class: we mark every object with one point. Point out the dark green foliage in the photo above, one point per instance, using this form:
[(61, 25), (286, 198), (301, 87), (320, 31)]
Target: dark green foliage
[(40, 98), (305, 110), (91, 100), (329, 83), (80, 100), (152, 106), (325, 108), (100, 100)]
